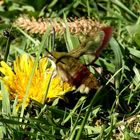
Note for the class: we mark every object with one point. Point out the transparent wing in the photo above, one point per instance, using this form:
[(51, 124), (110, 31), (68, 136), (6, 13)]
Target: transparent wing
[(93, 45)]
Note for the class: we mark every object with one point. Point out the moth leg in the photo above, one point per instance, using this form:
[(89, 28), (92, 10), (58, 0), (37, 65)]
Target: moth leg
[(83, 89)]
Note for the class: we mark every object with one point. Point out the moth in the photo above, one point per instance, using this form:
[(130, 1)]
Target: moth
[(71, 70)]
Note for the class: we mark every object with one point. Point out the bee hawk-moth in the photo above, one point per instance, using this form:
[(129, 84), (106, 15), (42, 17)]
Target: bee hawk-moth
[(71, 70)]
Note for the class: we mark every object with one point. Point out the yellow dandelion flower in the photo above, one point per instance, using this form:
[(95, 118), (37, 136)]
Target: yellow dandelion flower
[(16, 80)]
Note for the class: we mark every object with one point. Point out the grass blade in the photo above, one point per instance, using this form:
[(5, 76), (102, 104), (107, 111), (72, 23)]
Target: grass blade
[(118, 62), (5, 100), (87, 113)]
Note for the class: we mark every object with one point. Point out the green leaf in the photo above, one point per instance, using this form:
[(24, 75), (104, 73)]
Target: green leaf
[(121, 5), (5, 100), (118, 61)]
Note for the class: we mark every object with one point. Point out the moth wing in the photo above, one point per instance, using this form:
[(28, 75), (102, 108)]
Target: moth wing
[(107, 35), (89, 46), (93, 45), (64, 74)]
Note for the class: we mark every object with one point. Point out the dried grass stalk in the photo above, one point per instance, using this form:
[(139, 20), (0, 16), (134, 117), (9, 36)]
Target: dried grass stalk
[(82, 26)]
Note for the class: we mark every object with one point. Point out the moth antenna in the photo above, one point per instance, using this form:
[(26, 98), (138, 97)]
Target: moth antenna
[(53, 33), (53, 37), (50, 54), (53, 56), (53, 41)]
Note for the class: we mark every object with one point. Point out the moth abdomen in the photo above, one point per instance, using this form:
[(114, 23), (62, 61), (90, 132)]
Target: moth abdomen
[(84, 80), (78, 76)]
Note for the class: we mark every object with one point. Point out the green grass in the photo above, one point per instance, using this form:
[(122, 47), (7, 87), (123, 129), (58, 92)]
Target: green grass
[(113, 111)]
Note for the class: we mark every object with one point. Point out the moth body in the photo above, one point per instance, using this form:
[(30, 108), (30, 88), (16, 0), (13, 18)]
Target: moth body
[(71, 70), (74, 72)]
